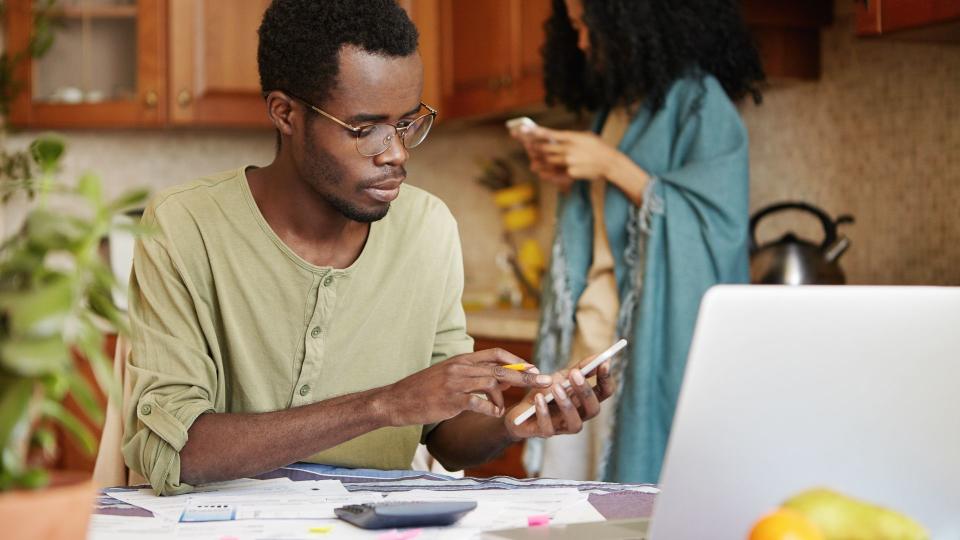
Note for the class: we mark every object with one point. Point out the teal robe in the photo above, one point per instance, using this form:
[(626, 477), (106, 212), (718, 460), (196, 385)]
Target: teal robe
[(690, 233)]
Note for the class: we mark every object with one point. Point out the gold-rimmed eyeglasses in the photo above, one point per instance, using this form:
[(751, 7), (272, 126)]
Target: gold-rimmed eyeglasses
[(374, 139)]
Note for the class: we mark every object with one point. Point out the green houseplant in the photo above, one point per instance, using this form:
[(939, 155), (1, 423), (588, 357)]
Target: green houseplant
[(55, 306)]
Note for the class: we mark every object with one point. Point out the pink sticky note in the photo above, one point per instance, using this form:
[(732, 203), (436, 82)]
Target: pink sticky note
[(400, 535), (538, 520)]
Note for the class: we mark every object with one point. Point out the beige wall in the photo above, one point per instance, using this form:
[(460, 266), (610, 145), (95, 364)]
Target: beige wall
[(878, 137)]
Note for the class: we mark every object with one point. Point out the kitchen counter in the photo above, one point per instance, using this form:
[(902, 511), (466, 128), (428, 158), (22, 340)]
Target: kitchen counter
[(510, 324)]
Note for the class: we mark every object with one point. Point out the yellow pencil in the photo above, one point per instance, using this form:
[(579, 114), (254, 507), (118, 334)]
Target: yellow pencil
[(518, 367)]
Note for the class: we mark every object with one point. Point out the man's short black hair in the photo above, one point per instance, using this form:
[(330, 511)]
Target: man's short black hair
[(300, 41)]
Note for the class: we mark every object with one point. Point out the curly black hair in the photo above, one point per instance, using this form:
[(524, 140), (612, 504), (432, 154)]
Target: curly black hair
[(300, 41), (638, 48)]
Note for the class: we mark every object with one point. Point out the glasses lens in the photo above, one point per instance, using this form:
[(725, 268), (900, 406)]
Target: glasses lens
[(374, 139), (417, 131)]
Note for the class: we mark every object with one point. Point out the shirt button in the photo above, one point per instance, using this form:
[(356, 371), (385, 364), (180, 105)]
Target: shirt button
[(328, 281), (305, 389), (145, 409), (315, 333)]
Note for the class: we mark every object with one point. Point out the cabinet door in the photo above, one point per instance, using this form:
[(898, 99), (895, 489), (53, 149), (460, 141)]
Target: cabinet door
[(213, 63), (477, 47), (529, 79), (105, 69), (881, 16)]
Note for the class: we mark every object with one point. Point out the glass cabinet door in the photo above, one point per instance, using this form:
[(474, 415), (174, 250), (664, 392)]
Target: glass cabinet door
[(103, 69)]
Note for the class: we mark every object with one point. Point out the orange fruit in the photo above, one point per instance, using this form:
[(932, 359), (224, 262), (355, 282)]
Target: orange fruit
[(785, 524)]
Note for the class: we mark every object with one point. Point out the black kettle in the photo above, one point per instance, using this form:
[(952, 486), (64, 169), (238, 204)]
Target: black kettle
[(795, 261)]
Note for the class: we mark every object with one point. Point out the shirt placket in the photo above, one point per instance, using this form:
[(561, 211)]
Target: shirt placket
[(315, 340)]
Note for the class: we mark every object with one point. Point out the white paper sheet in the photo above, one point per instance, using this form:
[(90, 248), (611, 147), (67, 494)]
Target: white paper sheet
[(289, 503), (255, 499)]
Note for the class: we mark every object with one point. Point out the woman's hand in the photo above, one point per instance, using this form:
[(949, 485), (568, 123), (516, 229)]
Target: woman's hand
[(538, 165), (560, 157), (579, 154), (572, 408)]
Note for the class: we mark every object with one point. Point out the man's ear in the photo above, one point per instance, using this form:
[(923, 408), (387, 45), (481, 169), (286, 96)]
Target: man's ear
[(281, 112)]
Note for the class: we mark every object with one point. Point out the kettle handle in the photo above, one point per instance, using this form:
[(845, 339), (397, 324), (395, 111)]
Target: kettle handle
[(829, 226)]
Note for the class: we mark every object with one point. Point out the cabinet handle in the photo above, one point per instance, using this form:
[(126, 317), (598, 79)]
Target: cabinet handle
[(506, 80), (494, 83), (184, 97), (151, 99)]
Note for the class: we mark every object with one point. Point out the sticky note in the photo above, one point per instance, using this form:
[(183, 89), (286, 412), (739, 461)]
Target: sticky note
[(400, 535), (538, 520), (320, 530)]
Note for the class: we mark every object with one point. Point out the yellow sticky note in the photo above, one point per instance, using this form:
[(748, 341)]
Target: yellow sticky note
[(320, 530)]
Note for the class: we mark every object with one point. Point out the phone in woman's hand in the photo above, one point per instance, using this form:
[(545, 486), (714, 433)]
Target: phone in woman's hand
[(521, 126)]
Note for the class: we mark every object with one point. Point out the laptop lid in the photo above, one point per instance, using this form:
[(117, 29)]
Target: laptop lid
[(788, 388)]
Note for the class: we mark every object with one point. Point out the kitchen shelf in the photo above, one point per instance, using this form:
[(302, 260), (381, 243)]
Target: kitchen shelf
[(96, 11)]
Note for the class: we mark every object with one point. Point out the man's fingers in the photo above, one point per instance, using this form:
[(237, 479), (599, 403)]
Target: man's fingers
[(588, 399), (496, 356), (484, 385), (557, 160), (496, 396), (479, 405), (544, 422), (571, 417), (605, 381), (523, 379)]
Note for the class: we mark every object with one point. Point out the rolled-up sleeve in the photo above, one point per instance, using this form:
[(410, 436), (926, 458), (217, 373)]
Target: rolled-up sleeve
[(171, 376)]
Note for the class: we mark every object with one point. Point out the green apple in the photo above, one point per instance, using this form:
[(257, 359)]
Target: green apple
[(840, 517)]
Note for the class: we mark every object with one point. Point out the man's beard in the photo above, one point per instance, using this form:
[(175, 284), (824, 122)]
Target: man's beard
[(324, 174)]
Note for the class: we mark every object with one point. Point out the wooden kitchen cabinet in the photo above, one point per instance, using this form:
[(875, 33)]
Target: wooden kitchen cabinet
[(480, 56), (214, 79), (106, 67), (876, 17), (787, 34)]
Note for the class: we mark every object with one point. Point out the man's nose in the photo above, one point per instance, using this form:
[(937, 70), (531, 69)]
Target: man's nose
[(396, 153)]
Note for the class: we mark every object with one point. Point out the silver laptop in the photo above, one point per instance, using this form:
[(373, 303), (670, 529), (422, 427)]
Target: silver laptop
[(788, 388)]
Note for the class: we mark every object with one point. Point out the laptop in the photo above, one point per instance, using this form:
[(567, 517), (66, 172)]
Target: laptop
[(788, 388)]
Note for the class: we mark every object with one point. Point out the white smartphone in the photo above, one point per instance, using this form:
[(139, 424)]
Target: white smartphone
[(521, 124), (586, 370)]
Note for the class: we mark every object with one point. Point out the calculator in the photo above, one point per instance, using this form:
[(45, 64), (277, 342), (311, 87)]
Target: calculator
[(397, 515)]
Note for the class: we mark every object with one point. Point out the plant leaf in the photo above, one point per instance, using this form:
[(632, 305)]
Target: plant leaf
[(79, 432), (41, 311), (91, 188), (15, 396), (91, 345), (47, 151), (34, 357), (35, 478), (131, 199), (46, 441), (83, 394), (50, 231)]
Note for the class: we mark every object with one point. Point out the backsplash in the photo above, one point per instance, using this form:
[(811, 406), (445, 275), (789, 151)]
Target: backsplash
[(446, 165), (877, 137)]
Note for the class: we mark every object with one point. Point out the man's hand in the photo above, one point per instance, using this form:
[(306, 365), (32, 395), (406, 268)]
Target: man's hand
[(446, 389), (572, 407)]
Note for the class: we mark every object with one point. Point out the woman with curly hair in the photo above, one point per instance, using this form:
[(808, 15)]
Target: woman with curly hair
[(653, 207)]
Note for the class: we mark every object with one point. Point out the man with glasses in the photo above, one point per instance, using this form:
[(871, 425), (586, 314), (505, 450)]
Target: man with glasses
[(309, 310)]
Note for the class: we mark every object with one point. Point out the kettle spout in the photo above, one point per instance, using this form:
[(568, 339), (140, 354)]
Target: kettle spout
[(837, 249)]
